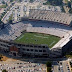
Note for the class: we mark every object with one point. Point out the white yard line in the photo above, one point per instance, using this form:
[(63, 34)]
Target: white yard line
[(52, 43), (40, 36), (20, 37)]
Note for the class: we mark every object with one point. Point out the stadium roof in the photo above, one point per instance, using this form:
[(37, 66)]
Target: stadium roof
[(47, 15)]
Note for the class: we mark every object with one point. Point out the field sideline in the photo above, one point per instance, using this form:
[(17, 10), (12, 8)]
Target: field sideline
[(37, 38)]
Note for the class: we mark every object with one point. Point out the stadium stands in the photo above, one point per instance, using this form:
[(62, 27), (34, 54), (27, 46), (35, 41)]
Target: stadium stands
[(11, 32), (52, 16), (51, 31)]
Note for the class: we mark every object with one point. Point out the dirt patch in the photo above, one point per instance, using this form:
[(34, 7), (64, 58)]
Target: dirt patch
[(4, 58)]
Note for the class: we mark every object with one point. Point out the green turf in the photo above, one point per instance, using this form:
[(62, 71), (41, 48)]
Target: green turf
[(36, 38)]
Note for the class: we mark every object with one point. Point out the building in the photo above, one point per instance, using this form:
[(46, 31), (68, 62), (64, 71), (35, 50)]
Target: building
[(21, 10), (17, 49)]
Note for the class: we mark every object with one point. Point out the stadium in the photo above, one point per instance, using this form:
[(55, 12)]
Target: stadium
[(43, 34)]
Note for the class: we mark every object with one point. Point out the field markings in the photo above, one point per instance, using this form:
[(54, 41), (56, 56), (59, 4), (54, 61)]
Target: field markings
[(52, 43), (37, 39), (20, 37), (40, 36)]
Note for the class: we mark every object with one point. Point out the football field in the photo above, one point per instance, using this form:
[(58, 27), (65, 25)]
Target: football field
[(37, 38)]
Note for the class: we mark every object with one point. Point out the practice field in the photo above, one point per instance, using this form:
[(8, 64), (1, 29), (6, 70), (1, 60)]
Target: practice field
[(37, 38)]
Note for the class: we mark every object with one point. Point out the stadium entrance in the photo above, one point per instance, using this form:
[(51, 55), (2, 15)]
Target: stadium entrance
[(14, 54), (14, 51)]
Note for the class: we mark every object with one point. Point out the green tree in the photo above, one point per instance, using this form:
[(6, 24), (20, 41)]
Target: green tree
[(4, 70), (70, 11), (11, 0), (55, 2), (3, 2), (31, 1), (10, 18), (48, 69), (48, 64), (69, 4), (6, 4), (0, 56), (20, 0)]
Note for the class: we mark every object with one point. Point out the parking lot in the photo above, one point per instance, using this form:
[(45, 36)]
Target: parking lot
[(21, 66), (61, 66)]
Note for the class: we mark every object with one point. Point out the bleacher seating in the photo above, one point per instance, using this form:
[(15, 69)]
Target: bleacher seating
[(11, 32)]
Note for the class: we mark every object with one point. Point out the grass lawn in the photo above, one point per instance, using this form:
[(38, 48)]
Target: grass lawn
[(3, 6), (36, 38), (66, 1)]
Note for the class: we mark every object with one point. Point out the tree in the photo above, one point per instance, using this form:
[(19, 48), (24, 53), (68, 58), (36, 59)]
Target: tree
[(0, 56), (55, 2), (31, 1), (4, 70), (69, 4), (10, 21), (20, 0), (0, 20), (6, 4), (11, 0), (70, 11), (48, 69), (10, 18), (3, 2), (48, 64)]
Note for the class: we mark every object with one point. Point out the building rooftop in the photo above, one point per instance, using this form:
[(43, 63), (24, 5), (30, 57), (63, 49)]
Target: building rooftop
[(47, 15)]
